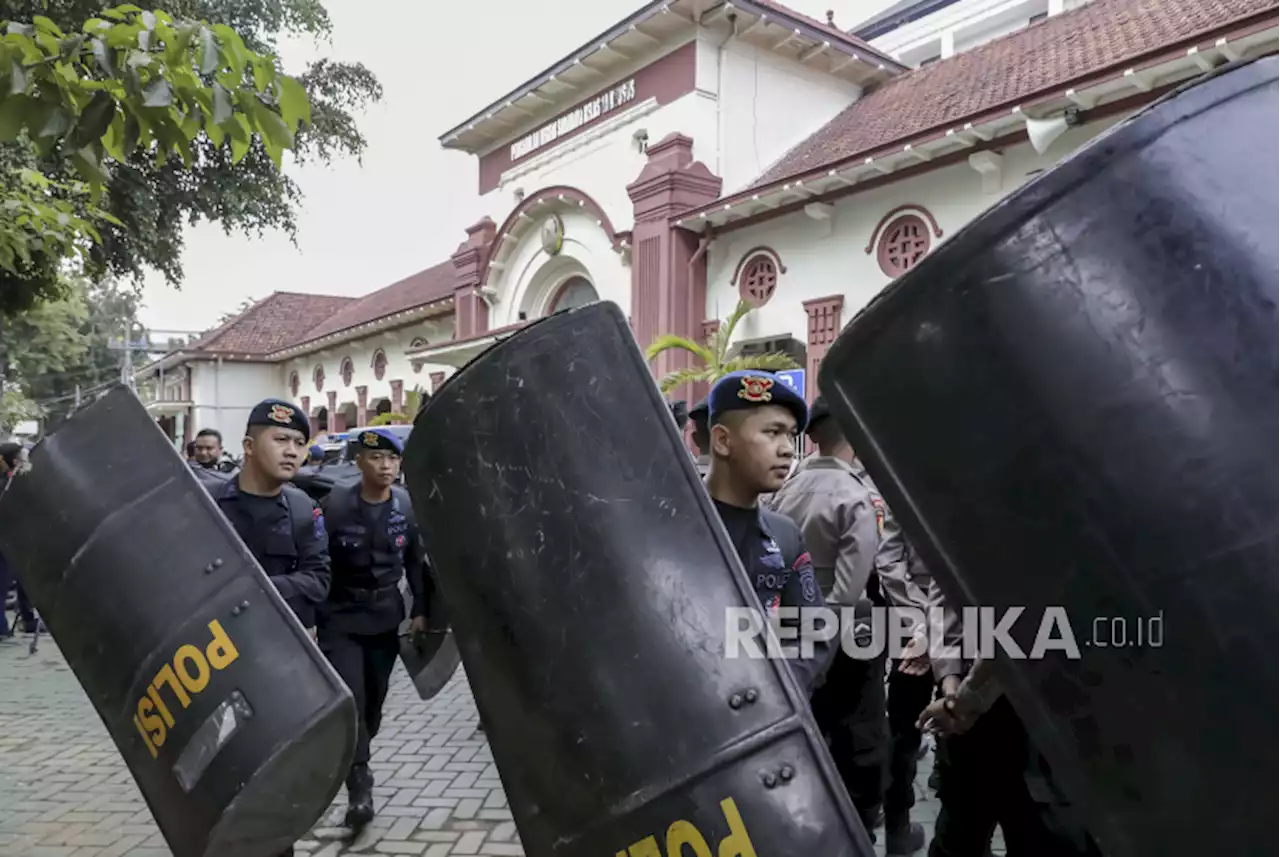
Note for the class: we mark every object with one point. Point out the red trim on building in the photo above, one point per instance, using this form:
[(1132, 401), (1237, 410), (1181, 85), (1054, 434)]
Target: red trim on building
[(558, 192), (397, 397), (437, 378), (913, 208), (362, 406), (752, 253), (331, 425), (665, 79), (824, 327), (471, 313)]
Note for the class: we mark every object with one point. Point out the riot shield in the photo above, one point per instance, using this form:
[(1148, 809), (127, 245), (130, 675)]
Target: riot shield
[(432, 659), (1072, 404), (235, 727), (588, 579)]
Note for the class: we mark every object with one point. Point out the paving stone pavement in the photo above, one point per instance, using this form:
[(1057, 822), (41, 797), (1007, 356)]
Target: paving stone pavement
[(64, 791)]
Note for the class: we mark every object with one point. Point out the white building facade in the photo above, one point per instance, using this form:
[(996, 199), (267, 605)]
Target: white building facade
[(701, 152)]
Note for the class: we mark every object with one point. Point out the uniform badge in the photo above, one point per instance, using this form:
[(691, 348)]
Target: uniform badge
[(879, 504), (317, 518), (370, 440), (280, 414), (756, 390), (400, 541)]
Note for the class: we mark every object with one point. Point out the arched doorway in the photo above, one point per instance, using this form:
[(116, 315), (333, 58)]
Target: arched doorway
[(574, 292)]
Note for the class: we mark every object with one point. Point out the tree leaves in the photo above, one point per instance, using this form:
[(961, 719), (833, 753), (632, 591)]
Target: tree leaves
[(714, 356)]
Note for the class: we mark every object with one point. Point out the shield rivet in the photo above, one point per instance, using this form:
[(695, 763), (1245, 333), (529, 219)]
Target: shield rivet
[(217, 563), (769, 780), (735, 701), (244, 605), (208, 569), (787, 773), (235, 611), (751, 695)]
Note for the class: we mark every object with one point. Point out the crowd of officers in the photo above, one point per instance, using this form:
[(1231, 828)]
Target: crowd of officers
[(811, 535), (841, 547), (338, 564)]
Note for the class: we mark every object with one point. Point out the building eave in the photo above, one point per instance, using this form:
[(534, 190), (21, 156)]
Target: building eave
[(1160, 68), (458, 352), (659, 25), (403, 318)]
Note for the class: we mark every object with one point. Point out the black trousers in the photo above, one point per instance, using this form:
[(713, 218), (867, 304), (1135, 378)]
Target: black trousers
[(908, 696), (983, 782), (849, 708), (365, 662)]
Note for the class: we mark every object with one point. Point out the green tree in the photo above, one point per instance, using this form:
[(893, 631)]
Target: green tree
[(40, 342), (155, 199), (713, 355), (106, 94), (111, 316)]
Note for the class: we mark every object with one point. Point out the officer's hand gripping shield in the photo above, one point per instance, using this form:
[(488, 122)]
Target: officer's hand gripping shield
[(588, 579), (236, 729), (1072, 404)]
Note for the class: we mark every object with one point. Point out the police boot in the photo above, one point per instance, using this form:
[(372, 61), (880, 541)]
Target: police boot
[(359, 797), (903, 839)]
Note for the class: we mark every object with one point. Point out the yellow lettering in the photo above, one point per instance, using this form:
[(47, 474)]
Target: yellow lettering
[(682, 833), (737, 843), (191, 655), (146, 739), (167, 676), (160, 706), (222, 652), (151, 723), (647, 847)]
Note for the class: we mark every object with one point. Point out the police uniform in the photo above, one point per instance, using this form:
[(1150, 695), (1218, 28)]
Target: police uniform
[(373, 546), (285, 532), (770, 546)]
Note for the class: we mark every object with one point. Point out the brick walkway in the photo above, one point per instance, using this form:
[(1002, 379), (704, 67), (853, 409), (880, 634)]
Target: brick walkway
[(64, 791)]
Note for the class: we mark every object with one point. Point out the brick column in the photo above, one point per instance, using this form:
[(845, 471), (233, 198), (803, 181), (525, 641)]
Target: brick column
[(824, 327), (333, 412), (437, 378), (471, 313), (397, 396), (668, 294), (362, 406)]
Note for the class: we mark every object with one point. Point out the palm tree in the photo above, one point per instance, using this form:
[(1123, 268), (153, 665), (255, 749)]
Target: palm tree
[(714, 355)]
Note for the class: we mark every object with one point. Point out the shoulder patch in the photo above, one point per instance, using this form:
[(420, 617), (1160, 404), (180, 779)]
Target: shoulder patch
[(317, 518)]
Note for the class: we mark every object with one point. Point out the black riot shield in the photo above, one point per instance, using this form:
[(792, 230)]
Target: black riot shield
[(237, 730), (1072, 403), (588, 579)]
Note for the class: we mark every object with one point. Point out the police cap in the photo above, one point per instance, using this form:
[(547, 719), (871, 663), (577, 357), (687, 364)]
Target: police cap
[(750, 388), (373, 439), (281, 414), (818, 412), (699, 413), (680, 413)]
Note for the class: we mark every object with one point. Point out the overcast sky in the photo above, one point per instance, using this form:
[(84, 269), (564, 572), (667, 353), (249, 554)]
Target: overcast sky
[(364, 227)]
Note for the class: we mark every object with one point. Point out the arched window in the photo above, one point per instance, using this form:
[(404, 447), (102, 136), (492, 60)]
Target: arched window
[(379, 364), (573, 293), (348, 371), (294, 383), (318, 377), (902, 244)]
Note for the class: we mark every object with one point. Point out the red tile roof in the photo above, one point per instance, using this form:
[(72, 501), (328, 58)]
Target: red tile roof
[(1049, 54), (422, 288), (276, 321), (285, 319)]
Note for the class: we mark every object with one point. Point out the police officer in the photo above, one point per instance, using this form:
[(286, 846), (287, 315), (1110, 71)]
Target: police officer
[(753, 419), (373, 541), (282, 527), (701, 437)]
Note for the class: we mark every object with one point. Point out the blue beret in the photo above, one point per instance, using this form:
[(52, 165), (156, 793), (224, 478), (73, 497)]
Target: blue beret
[(817, 413), (371, 439), (751, 388), (316, 451), (281, 414)]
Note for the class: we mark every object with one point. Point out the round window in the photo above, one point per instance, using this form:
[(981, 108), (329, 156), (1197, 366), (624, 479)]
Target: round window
[(758, 281), (902, 244)]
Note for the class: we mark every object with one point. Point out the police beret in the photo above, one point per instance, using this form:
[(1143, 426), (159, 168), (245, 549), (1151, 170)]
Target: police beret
[(751, 388), (371, 439), (316, 451), (281, 414), (699, 411), (679, 412), (818, 412)]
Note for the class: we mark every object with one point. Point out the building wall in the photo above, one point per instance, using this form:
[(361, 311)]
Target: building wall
[(962, 26), (766, 106), (223, 394), (361, 352), (824, 259)]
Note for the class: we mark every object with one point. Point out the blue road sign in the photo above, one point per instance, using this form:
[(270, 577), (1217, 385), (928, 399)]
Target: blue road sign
[(793, 378)]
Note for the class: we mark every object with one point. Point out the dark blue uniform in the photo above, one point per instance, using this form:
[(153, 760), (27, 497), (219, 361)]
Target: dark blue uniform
[(771, 546), (286, 534), (373, 546)]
